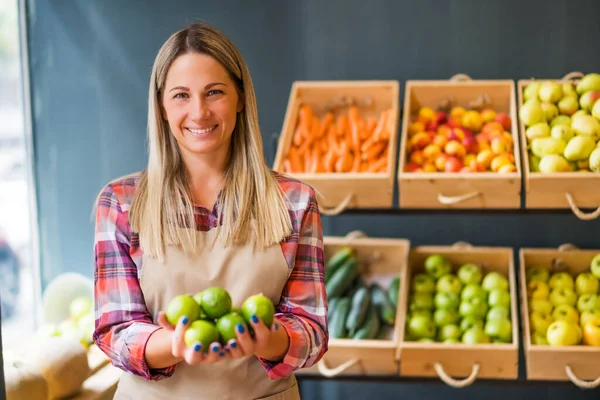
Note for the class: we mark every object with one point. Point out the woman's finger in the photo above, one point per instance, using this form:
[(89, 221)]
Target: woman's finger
[(178, 344), (261, 332), (161, 319), (216, 352), (244, 340), (194, 354), (235, 349)]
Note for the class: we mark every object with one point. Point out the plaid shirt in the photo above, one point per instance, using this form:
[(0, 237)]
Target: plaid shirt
[(123, 324)]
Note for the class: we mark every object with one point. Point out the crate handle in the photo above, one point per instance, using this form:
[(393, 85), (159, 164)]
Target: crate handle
[(567, 247), (337, 209), (331, 372), (461, 78), (572, 75), (449, 200), (580, 382), (355, 234), (462, 245), (580, 214), (456, 383)]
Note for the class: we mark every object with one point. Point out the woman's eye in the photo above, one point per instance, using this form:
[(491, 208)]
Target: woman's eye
[(215, 91), (181, 96)]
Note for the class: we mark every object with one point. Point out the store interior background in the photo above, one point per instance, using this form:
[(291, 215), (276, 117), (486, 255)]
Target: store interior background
[(89, 66)]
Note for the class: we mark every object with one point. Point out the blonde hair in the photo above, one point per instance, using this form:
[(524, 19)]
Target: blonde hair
[(251, 202)]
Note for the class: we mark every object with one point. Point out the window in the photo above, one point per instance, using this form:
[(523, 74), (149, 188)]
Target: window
[(18, 285)]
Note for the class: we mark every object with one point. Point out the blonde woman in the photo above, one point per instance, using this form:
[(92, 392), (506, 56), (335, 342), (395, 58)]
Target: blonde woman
[(206, 212)]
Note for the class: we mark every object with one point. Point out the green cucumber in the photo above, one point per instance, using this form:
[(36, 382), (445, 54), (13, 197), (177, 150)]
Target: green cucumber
[(337, 260), (358, 311), (393, 291), (342, 279), (337, 326), (370, 327), (385, 308)]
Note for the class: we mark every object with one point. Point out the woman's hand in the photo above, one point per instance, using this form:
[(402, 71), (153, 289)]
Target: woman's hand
[(195, 354), (271, 344)]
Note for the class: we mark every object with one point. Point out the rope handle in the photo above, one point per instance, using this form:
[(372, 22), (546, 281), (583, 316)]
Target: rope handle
[(329, 211), (461, 78), (572, 75), (450, 200), (580, 382), (580, 214), (332, 372), (456, 383)]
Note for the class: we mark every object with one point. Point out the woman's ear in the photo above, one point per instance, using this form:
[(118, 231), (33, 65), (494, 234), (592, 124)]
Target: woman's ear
[(163, 112), (240, 104)]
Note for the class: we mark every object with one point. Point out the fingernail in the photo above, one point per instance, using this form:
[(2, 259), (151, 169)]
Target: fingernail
[(240, 328), (275, 327), (197, 347), (222, 354), (233, 345), (215, 348), (255, 319), (184, 320), (155, 316)]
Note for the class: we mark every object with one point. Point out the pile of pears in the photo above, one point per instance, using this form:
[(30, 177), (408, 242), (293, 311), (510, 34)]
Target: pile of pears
[(562, 121)]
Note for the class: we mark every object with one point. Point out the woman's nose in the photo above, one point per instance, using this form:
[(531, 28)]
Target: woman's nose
[(200, 109)]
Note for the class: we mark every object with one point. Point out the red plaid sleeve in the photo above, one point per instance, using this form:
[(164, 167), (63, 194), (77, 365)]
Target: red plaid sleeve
[(302, 310)]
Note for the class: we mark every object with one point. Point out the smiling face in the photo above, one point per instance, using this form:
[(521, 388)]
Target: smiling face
[(200, 103)]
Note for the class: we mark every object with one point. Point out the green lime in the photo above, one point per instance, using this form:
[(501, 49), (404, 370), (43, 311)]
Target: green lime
[(182, 305), (236, 310), (203, 332), (226, 325), (216, 302), (261, 306), (198, 298)]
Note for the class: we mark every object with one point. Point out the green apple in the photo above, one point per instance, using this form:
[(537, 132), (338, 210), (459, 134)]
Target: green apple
[(498, 312), (540, 322), (449, 283), (472, 290), (499, 297), (437, 265), (563, 333), (561, 280), (450, 331), (469, 322), (475, 307), (588, 315), (475, 335), (539, 339), (563, 296), (423, 283), (540, 305), (469, 273), (421, 301), (550, 92), (538, 290), (494, 280), (595, 266), (443, 317), (565, 312), (421, 327), (537, 273), (586, 283), (587, 302), (446, 300), (499, 329)]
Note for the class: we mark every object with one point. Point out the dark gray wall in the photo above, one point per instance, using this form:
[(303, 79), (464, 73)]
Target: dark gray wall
[(90, 62)]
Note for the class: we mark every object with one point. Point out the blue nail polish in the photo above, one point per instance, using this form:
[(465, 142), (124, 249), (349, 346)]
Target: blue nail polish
[(155, 316), (240, 328), (197, 347), (233, 345), (215, 348), (275, 327), (255, 319), (184, 320), (222, 354)]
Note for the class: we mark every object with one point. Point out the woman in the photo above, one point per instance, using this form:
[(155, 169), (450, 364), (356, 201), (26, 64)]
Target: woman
[(207, 211)]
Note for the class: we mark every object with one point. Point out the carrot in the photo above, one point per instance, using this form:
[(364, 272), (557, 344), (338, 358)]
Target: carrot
[(329, 161), (356, 162), (342, 126), (378, 165), (371, 124), (325, 124), (287, 166), (381, 125), (298, 136), (296, 163), (373, 152), (344, 162)]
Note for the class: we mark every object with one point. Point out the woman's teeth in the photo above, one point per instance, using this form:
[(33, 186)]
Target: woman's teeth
[(201, 131)]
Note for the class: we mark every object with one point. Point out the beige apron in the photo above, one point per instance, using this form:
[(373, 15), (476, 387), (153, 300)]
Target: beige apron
[(243, 272)]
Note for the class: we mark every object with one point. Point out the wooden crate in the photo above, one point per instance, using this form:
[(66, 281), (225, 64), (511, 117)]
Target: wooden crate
[(460, 365), (580, 364), (341, 190), (459, 190), (103, 380), (384, 259), (574, 190)]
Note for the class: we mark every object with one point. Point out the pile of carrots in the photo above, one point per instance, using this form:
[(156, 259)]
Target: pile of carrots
[(346, 142)]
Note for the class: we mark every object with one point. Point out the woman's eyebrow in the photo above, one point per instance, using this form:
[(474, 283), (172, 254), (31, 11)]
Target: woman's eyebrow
[(205, 87)]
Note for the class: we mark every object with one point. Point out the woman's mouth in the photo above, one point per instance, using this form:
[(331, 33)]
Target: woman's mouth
[(202, 131)]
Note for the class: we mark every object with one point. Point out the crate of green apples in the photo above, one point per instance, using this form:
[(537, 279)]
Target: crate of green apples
[(560, 307), (365, 289), (559, 121), (461, 319)]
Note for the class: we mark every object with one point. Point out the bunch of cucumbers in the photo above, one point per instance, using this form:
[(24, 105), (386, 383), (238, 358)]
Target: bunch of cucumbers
[(357, 310)]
